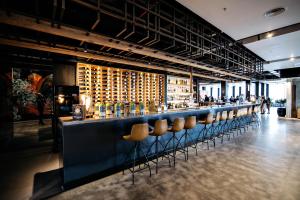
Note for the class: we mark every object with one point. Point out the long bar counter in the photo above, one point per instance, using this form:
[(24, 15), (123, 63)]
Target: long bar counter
[(93, 146)]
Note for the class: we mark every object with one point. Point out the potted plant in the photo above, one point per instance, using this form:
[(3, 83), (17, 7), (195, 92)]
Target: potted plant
[(281, 111), (22, 95)]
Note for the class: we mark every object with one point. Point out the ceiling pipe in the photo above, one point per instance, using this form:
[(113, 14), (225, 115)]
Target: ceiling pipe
[(98, 17), (148, 22), (88, 55), (78, 34), (125, 25), (62, 11), (133, 24), (54, 12)]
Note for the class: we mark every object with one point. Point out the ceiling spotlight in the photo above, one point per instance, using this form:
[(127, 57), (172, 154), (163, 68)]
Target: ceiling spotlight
[(275, 12), (292, 58), (269, 35), (85, 48)]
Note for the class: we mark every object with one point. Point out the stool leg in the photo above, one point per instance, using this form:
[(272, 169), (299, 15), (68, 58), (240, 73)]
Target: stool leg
[(147, 161), (156, 152), (185, 144), (174, 150), (134, 155)]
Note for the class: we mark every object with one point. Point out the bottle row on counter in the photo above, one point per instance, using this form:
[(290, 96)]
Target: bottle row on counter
[(116, 109)]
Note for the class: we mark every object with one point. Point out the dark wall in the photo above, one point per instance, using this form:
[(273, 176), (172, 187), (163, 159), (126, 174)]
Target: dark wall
[(6, 118), (64, 73)]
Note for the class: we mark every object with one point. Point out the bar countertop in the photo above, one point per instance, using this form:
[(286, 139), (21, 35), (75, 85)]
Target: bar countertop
[(94, 146), (67, 121)]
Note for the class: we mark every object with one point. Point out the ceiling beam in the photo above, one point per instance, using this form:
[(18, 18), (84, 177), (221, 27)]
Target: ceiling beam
[(272, 33), (82, 35), (282, 59), (42, 47)]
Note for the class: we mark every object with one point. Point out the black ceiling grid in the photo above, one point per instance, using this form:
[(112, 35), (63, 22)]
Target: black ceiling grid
[(159, 24)]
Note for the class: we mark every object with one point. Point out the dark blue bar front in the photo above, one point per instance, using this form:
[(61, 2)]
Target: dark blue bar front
[(93, 146)]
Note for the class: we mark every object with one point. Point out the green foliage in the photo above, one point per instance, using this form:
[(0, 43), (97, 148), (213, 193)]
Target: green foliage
[(22, 95)]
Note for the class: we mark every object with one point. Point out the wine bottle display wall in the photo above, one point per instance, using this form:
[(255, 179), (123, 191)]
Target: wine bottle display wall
[(108, 84), (178, 89)]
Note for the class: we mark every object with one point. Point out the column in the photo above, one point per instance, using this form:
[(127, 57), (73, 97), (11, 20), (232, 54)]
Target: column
[(247, 89), (262, 91), (267, 90), (224, 90), (257, 89)]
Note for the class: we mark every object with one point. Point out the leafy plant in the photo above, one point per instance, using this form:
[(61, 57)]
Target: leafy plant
[(22, 94)]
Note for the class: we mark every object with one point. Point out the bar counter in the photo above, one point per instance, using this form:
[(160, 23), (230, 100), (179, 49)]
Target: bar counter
[(94, 146)]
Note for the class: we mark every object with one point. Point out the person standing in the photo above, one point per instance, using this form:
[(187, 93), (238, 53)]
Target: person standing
[(40, 99), (262, 105), (206, 98), (268, 102)]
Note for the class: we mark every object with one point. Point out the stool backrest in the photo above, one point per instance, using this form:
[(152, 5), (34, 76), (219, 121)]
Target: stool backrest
[(230, 115), (160, 127), (139, 132), (238, 113), (249, 111), (217, 117), (255, 109), (178, 124), (224, 115), (190, 122), (209, 118), (244, 111)]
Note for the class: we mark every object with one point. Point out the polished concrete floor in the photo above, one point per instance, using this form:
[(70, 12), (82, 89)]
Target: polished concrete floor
[(261, 164), (29, 153)]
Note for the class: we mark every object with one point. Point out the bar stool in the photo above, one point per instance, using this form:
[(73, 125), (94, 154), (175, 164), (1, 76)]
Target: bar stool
[(223, 120), (177, 126), (235, 122), (255, 117), (138, 133), (215, 129), (160, 128), (242, 119), (190, 123), (229, 124), (208, 121)]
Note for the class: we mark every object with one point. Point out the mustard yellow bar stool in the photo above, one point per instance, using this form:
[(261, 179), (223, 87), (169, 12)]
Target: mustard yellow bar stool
[(242, 119), (248, 117), (160, 128), (229, 123), (205, 131), (215, 128), (177, 126), (236, 122), (139, 132), (189, 124), (223, 120), (255, 117)]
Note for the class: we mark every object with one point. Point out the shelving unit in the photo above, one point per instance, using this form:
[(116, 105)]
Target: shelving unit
[(178, 89), (108, 84)]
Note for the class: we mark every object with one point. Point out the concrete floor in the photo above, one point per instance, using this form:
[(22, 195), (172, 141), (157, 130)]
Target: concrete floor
[(261, 164), (26, 156)]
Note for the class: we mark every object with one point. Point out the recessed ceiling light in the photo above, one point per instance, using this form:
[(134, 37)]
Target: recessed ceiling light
[(292, 58), (269, 35), (274, 12)]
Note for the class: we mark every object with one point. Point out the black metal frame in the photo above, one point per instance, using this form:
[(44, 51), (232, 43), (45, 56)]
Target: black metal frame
[(160, 24)]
